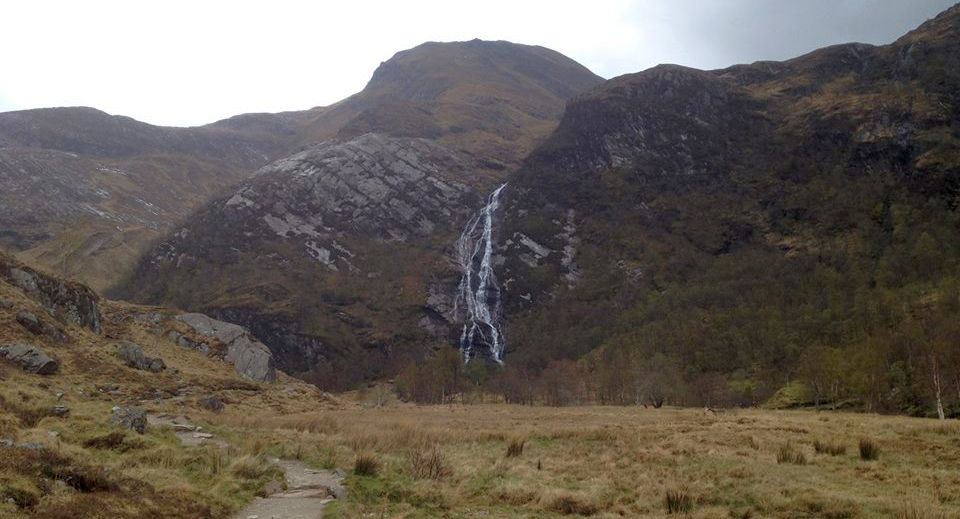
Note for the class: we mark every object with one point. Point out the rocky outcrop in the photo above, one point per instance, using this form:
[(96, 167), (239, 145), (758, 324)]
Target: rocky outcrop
[(248, 355), (31, 359), (132, 354), (38, 326), (128, 417), (67, 300)]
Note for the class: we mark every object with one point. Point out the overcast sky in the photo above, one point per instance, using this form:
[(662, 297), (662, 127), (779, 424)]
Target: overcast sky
[(188, 62)]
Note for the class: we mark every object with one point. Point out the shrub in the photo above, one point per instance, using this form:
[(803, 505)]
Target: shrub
[(833, 449), (787, 454), (515, 448), (678, 502), (869, 451), (428, 462), (366, 465)]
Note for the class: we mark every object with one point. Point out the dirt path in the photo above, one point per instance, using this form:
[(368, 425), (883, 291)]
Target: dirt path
[(308, 490)]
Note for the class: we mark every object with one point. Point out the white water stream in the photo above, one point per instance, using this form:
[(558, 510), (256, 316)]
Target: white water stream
[(479, 293)]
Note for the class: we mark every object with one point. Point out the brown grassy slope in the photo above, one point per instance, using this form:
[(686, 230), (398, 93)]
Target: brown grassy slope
[(86, 468)]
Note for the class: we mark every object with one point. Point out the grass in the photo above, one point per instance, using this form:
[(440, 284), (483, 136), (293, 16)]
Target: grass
[(366, 465), (490, 460), (787, 454), (833, 449), (80, 467), (515, 448), (678, 502), (869, 450), (622, 461)]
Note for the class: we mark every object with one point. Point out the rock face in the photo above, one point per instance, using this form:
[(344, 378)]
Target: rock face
[(132, 354), (66, 300), (249, 356), (30, 358), (335, 214), (38, 326), (127, 417)]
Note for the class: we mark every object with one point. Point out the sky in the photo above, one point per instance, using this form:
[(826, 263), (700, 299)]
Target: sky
[(183, 63)]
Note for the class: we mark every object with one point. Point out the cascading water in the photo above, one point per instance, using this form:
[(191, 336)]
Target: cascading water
[(479, 295)]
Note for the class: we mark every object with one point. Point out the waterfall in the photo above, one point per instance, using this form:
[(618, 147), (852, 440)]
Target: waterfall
[(478, 294)]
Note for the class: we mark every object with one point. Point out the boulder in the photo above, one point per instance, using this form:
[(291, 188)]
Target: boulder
[(250, 357), (211, 403), (38, 326), (31, 359), (132, 354), (128, 417)]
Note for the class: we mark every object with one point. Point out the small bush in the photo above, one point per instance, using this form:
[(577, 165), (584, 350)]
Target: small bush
[(428, 462), (833, 449), (787, 454), (366, 465), (678, 502), (869, 451), (515, 448)]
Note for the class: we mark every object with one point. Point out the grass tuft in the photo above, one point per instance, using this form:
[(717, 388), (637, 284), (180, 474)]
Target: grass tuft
[(833, 449), (787, 454), (678, 502), (515, 448), (366, 465), (869, 450)]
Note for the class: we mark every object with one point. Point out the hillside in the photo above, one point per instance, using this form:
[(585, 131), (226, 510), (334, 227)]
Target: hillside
[(329, 255), (711, 236), (89, 361), (84, 192)]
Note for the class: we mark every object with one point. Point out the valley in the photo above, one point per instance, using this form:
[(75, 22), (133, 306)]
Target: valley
[(494, 284)]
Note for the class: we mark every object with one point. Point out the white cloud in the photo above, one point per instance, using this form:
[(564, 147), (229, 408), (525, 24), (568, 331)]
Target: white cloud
[(192, 62)]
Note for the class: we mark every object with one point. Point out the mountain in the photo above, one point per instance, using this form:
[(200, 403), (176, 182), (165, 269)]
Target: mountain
[(85, 193), (329, 255), (710, 236)]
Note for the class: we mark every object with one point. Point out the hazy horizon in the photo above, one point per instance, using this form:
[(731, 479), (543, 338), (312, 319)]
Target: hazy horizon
[(181, 64)]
